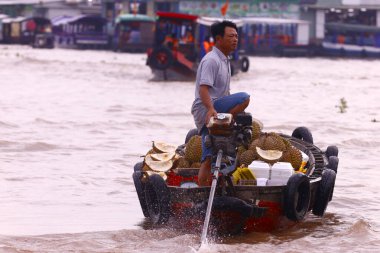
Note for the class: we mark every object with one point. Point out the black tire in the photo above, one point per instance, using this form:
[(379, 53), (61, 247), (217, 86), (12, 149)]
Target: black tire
[(161, 58), (324, 192), (138, 166), (333, 163), (190, 134), (244, 64), (332, 151), (297, 197), (303, 133), (157, 197), (140, 190)]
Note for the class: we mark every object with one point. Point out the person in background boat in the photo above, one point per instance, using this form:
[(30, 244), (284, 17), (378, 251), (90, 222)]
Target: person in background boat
[(341, 39), (212, 89), (208, 43), (188, 38), (171, 41)]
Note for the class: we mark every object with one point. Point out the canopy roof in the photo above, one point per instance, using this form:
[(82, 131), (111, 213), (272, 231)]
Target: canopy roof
[(14, 2), (339, 27), (134, 17), (208, 21), (61, 20), (339, 4), (272, 21), (175, 15), (10, 20)]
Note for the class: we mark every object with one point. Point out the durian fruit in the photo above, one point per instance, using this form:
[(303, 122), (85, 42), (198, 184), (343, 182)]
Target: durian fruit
[(287, 143), (195, 165), (270, 156), (163, 156), (158, 166), (296, 158), (183, 163), (162, 147), (256, 130), (272, 141), (193, 152), (293, 156), (240, 150), (268, 141), (247, 157), (259, 123), (256, 143)]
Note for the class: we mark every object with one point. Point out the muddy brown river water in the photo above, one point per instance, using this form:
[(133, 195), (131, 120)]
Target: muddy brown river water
[(73, 123)]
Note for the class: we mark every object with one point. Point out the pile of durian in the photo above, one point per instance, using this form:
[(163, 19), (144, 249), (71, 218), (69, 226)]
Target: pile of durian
[(267, 147), (160, 158), (270, 148), (163, 156)]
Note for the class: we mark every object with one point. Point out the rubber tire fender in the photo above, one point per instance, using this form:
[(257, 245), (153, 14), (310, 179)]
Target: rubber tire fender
[(161, 51), (191, 133), (297, 197), (324, 192), (140, 190), (333, 163), (332, 151), (138, 167), (303, 133), (244, 64), (157, 197)]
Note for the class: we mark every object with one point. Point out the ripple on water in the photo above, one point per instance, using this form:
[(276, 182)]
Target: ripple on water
[(39, 146)]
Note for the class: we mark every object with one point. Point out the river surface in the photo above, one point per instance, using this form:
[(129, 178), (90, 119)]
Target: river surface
[(73, 123)]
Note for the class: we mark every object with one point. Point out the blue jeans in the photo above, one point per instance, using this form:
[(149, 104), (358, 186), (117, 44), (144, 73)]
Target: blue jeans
[(222, 105)]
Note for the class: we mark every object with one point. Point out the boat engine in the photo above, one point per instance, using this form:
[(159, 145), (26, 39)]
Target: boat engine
[(226, 133)]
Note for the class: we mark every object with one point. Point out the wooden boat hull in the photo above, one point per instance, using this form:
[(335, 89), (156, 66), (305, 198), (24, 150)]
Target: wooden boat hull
[(240, 208)]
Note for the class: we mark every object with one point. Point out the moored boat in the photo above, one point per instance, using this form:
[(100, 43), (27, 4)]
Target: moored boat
[(261, 203)]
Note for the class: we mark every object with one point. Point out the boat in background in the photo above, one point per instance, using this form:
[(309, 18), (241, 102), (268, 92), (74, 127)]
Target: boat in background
[(351, 40), (179, 46), (82, 31), (277, 36), (133, 33), (2, 17)]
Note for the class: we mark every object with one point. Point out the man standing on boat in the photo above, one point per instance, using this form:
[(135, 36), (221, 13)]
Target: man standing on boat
[(212, 89)]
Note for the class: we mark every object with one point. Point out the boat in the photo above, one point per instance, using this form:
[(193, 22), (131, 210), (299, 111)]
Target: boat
[(251, 204), (85, 31), (179, 46), (39, 34), (12, 30), (133, 33), (277, 36), (2, 17), (351, 40)]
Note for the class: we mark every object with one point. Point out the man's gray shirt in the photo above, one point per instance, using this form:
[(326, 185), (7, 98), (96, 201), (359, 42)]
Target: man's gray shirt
[(213, 71)]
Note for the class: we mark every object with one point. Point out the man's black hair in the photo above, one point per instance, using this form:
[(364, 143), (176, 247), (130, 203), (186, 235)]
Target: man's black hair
[(218, 28)]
